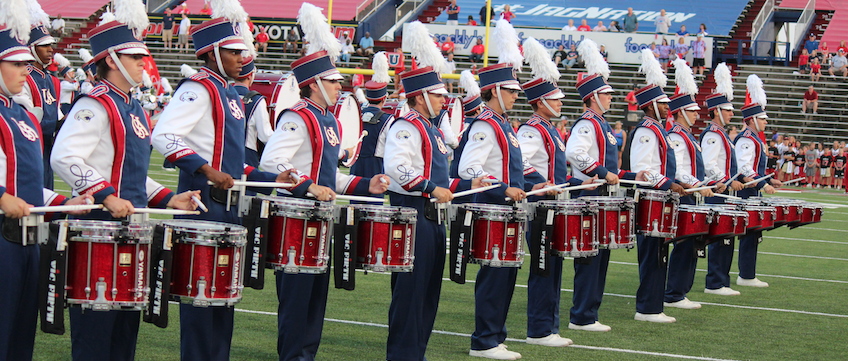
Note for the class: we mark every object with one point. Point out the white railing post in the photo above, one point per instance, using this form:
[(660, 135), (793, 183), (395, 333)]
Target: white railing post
[(760, 20)]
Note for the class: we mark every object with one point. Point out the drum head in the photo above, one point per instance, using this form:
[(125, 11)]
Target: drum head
[(280, 90), (396, 107), (456, 116), (349, 115)]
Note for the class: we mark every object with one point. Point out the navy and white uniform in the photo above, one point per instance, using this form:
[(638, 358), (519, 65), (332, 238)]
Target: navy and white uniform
[(20, 176), (307, 139), (719, 165), (40, 95), (490, 148), (417, 162), (592, 150), (376, 122), (650, 151), (751, 154), (543, 150), (104, 149), (68, 93), (204, 125), (690, 170), (258, 126)]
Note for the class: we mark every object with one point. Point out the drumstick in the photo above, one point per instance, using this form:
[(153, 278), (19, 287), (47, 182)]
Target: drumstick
[(471, 191), (699, 189), (732, 178), (175, 212), (755, 181), (258, 184), (638, 183), (342, 197), (725, 196), (48, 209), (794, 180), (199, 203), (490, 180), (361, 137)]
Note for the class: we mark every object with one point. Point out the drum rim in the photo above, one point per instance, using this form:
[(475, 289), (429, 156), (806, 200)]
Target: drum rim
[(97, 224)]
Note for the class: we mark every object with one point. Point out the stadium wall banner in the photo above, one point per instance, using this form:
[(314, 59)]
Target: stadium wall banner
[(278, 29), (623, 48)]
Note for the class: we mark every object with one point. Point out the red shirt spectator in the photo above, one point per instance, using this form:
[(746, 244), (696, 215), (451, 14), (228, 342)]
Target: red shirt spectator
[(584, 26), (478, 49), (631, 101), (811, 94), (472, 22), (815, 68), (507, 14), (183, 9), (803, 59), (206, 10), (262, 37), (448, 47)]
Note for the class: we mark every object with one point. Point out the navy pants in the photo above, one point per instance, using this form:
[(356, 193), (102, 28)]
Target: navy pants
[(681, 270), (18, 300), (492, 296), (589, 282), (300, 314), (720, 258), (103, 335), (415, 295), (748, 254), (543, 297), (649, 295)]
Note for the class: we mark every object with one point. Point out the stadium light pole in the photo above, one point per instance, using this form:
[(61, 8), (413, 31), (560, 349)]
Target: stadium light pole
[(330, 13), (488, 25)]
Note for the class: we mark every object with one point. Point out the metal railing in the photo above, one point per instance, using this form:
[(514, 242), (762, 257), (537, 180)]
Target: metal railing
[(402, 14), (761, 19), (757, 52), (374, 5), (808, 16)]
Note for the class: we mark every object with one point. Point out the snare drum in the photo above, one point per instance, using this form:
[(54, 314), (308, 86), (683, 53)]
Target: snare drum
[(208, 262), (299, 233), (615, 221), (497, 234), (657, 213), (396, 107), (727, 222), (760, 217), (693, 221), (574, 228), (385, 238), (280, 90), (107, 264), (780, 209), (810, 213)]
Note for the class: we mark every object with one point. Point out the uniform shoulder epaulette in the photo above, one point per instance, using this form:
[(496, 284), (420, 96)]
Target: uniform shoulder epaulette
[(301, 104), (98, 90), (199, 76), (486, 114)]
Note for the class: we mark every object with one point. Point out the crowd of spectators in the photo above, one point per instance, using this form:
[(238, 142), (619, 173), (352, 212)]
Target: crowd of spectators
[(820, 165), (815, 55)]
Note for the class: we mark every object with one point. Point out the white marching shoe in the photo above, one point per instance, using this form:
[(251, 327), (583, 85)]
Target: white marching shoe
[(597, 327), (685, 304), (655, 317), (498, 352), (552, 340), (754, 282), (724, 291)]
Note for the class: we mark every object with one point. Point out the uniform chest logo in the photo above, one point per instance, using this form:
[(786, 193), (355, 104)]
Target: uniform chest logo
[(611, 139), (48, 98), (138, 127), (560, 144), (332, 138), (513, 140), (441, 145), (27, 131), (235, 109)]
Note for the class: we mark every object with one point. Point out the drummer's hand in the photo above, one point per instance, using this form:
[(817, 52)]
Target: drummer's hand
[(775, 183), (80, 200), (221, 180), (591, 181), (746, 180), (379, 184), (515, 193), (720, 187), (442, 195), (677, 188), (183, 201), (642, 176), (347, 154), (769, 189), (322, 193), (14, 207), (552, 192), (117, 207), (612, 178), (288, 176), (706, 192), (736, 185), (478, 182)]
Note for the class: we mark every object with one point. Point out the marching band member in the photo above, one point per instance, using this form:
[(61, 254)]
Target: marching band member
[(202, 131), (258, 126), (592, 152), (650, 151), (20, 188), (689, 173), (88, 70), (103, 149), (543, 150), (720, 165), (751, 154), (40, 96), (68, 86), (374, 120), (306, 142), (472, 104)]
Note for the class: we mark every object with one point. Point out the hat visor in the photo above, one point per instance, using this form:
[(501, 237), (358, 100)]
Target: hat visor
[(19, 57), (511, 86), (557, 95), (234, 46), (764, 116), (134, 51), (692, 107), (439, 91), (726, 107), (334, 76), (48, 40), (607, 90), (664, 99)]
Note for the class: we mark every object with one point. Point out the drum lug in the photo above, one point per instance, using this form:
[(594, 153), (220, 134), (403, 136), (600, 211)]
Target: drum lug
[(291, 266), (496, 261), (379, 266), (100, 303), (656, 225), (611, 236), (200, 300)]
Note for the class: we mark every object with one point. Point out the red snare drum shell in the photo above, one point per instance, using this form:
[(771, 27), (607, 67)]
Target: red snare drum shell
[(497, 235), (299, 232), (386, 238), (693, 221)]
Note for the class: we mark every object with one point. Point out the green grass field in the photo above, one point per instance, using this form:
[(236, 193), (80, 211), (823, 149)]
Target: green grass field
[(803, 315)]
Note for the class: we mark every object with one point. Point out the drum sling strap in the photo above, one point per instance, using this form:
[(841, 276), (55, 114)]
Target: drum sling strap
[(161, 259), (51, 284), (345, 246), (256, 222), (700, 243), (460, 236), (540, 245)]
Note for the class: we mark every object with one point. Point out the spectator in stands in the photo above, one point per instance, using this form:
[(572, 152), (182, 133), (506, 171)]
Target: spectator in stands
[(631, 21), (571, 56), (471, 21), (182, 35), (562, 128), (183, 8), (699, 51), (206, 10), (810, 164), (262, 39), (682, 31), (58, 26), (662, 23), (344, 38), (804, 61), (772, 154), (584, 26), (559, 55), (477, 51), (168, 28), (811, 99), (614, 27), (839, 64), (665, 52), (600, 26), (448, 46), (347, 49), (366, 45), (826, 168), (681, 49), (632, 115), (825, 53), (842, 46), (655, 50), (620, 138), (453, 13), (292, 37), (839, 168), (506, 14), (570, 26), (815, 70), (702, 30), (812, 44), (483, 14), (604, 52), (450, 70)]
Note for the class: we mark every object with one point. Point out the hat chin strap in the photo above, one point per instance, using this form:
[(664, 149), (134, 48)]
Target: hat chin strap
[(37, 58), (500, 98), (689, 122), (429, 105), (217, 51), (598, 102), (324, 92), (555, 113), (656, 110), (5, 88), (122, 69), (721, 117)]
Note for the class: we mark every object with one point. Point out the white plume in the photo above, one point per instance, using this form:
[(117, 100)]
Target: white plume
[(756, 91), (166, 85), (724, 81), (37, 16), (19, 25), (380, 65), (317, 32), (467, 82), (684, 78), (85, 55), (247, 37), (187, 71), (537, 58), (80, 74), (506, 41), (133, 13), (234, 13), (145, 79), (652, 69), (106, 17), (360, 96), (423, 48), (61, 61), (591, 53)]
